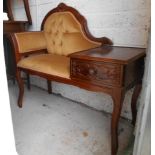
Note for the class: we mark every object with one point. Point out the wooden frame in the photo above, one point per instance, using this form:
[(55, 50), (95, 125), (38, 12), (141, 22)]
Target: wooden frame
[(117, 92), (12, 26), (27, 9)]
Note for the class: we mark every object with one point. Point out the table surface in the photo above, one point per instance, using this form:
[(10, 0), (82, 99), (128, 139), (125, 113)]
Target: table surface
[(113, 54)]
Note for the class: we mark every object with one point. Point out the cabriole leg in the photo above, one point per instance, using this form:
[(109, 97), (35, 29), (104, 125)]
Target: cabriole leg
[(135, 95), (20, 86), (118, 97)]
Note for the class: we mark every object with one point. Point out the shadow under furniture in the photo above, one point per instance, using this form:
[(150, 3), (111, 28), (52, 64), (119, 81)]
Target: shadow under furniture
[(65, 51)]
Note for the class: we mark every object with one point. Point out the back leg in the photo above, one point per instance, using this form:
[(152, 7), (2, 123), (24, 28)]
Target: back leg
[(49, 86), (135, 95), (21, 87), (28, 81)]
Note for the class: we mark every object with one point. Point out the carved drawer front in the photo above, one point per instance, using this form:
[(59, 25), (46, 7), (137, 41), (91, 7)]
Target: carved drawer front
[(98, 73)]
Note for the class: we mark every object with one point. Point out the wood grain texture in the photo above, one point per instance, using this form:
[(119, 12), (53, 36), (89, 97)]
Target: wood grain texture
[(98, 73), (112, 54)]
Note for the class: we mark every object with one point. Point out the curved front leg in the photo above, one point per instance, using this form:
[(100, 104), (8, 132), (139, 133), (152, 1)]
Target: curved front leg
[(118, 97), (21, 87)]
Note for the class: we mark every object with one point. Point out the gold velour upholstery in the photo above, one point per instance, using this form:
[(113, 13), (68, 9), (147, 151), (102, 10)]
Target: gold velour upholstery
[(47, 63), (30, 41), (64, 34)]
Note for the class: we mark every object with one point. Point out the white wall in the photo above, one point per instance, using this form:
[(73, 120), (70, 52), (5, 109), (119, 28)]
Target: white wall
[(126, 22), (143, 127)]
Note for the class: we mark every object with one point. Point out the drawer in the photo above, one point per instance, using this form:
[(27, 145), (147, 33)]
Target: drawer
[(98, 73)]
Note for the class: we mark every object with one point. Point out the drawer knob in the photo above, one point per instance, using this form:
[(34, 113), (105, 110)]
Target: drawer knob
[(92, 71), (78, 69)]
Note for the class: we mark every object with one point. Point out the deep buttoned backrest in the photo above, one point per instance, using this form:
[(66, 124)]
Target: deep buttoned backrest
[(64, 34)]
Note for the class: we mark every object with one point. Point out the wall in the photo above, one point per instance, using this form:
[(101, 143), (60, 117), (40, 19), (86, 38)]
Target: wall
[(143, 128), (125, 22)]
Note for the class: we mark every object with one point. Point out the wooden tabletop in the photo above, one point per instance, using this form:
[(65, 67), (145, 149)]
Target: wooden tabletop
[(113, 54)]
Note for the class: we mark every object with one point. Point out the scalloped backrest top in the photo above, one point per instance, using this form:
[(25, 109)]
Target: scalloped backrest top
[(66, 31)]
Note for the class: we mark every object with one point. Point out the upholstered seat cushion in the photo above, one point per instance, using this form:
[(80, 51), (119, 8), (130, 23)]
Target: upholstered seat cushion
[(47, 63)]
